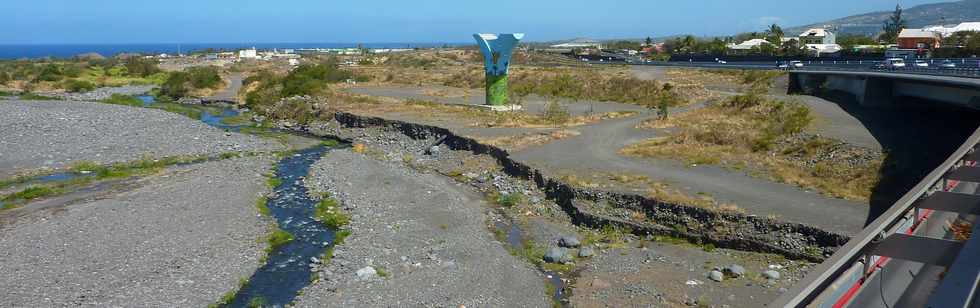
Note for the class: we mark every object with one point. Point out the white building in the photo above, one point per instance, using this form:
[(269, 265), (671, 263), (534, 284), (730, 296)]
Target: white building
[(748, 45), (248, 53), (817, 36), (579, 43), (947, 31)]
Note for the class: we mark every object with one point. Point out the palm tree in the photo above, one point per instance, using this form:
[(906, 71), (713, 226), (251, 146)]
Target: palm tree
[(776, 30)]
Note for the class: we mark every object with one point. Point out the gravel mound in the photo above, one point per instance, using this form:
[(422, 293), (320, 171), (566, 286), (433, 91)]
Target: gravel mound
[(427, 236), (47, 134), (102, 93), (181, 240)]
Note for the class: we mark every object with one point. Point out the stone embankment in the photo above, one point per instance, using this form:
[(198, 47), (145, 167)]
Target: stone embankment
[(594, 207)]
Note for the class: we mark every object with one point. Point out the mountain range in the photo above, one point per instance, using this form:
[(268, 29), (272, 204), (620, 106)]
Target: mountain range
[(948, 13)]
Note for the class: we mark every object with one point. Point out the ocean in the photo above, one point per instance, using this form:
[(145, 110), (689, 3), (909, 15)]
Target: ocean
[(109, 50)]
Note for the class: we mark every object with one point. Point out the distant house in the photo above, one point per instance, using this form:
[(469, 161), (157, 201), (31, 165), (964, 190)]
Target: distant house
[(817, 36), (749, 45), (248, 53), (578, 43), (919, 39)]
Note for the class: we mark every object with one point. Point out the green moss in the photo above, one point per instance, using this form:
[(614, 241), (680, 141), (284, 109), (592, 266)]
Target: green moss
[(31, 193), (279, 237), (263, 206), (328, 212), (125, 100)]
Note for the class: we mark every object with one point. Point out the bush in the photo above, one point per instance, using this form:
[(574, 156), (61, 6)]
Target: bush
[(555, 113), (50, 72), (140, 67), (176, 85), (509, 200), (204, 77), (5, 78), (75, 86)]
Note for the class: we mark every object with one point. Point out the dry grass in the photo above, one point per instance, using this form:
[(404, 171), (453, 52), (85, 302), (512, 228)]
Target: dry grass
[(656, 190), (523, 141), (717, 135)]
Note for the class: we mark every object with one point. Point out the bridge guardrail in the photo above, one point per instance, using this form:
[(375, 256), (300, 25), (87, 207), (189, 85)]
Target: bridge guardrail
[(836, 280)]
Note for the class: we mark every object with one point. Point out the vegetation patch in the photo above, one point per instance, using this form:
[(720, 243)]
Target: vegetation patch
[(125, 100), (277, 238), (329, 213), (766, 137)]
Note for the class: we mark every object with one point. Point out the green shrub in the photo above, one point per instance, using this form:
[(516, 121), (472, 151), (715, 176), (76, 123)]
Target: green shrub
[(140, 67), (175, 86), (510, 199), (204, 77), (50, 72), (76, 86)]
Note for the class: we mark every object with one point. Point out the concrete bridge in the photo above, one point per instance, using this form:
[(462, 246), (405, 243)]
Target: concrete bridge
[(926, 264), (878, 89)]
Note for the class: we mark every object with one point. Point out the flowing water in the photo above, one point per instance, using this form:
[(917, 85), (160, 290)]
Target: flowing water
[(287, 270)]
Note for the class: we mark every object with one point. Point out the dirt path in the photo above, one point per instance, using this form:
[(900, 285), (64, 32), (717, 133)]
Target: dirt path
[(596, 150), (230, 93)]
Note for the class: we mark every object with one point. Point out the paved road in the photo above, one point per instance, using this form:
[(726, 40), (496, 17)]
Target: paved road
[(595, 150)]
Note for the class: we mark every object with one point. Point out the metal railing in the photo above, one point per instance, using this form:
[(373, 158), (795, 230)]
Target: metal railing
[(833, 282)]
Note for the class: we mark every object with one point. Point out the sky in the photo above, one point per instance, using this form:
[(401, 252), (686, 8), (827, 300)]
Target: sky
[(390, 21)]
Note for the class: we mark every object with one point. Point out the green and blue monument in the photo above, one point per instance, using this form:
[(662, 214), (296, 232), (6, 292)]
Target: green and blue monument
[(497, 49)]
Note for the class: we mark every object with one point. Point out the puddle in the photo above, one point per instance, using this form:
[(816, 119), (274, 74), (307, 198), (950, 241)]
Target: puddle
[(516, 239)]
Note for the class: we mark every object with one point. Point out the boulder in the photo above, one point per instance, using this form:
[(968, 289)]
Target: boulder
[(716, 276), (366, 273), (557, 255), (735, 270), (586, 252), (771, 275), (569, 241)]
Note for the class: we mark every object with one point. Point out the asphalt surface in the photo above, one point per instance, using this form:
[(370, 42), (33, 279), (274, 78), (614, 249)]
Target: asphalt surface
[(596, 150)]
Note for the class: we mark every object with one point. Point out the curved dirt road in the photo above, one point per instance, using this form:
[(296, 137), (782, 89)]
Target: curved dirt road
[(596, 150)]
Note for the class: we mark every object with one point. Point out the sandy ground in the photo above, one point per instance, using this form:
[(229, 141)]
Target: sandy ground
[(426, 233), (182, 238)]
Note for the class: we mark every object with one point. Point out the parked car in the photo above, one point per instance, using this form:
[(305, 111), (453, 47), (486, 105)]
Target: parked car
[(722, 62), (921, 63), (782, 65), (796, 63), (894, 63), (947, 64)]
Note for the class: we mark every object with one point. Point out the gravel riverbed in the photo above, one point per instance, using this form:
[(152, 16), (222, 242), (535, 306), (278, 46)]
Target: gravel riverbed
[(182, 239), (425, 233), (55, 134)]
